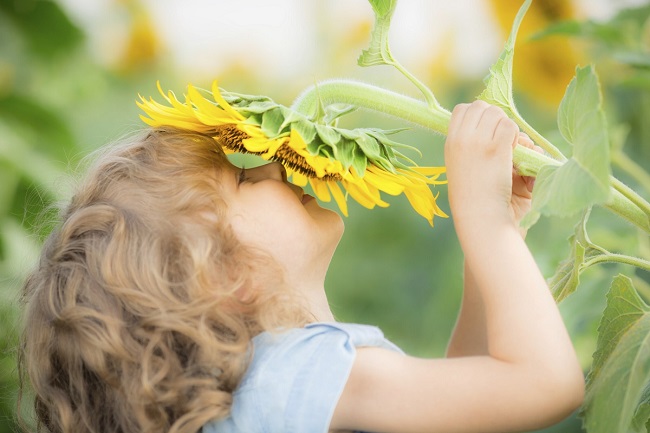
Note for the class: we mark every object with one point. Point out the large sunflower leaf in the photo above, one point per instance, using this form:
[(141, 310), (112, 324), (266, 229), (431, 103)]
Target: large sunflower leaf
[(621, 367), (582, 122), (583, 180), (378, 53), (498, 85)]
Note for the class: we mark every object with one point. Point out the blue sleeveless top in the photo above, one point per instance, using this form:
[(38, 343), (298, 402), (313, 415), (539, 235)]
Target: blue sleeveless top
[(295, 379)]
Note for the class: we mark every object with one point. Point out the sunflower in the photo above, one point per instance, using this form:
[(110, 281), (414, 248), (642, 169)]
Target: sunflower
[(359, 163)]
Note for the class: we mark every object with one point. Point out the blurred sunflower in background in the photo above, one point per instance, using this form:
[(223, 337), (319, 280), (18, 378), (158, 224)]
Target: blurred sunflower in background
[(542, 68), (142, 47), (340, 163)]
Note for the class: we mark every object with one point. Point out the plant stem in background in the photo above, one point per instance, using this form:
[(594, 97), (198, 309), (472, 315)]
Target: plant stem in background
[(625, 163)]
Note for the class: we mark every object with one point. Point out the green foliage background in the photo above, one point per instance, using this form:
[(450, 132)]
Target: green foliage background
[(392, 270)]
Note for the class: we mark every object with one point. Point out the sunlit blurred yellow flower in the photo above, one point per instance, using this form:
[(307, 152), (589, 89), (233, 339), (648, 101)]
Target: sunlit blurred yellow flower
[(363, 161), (542, 68), (143, 45)]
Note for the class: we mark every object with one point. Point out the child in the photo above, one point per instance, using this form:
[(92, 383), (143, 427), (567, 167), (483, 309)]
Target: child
[(181, 293)]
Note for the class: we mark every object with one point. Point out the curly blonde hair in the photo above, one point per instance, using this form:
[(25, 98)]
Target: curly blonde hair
[(133, 322)]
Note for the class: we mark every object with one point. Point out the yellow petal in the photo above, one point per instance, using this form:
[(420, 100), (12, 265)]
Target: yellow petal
[(338, 197), (299, 179), (206, 111), (320, 189), (384, 181), (222, 102), (256, 145)]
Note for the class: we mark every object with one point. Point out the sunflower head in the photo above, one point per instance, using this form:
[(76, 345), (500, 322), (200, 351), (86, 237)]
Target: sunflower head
[(363, 162)]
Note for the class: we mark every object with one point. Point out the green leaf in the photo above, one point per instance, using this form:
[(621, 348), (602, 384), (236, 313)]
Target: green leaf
[(498, 85), (583, 180), (621, 367), (44, 25), (379, 52), (22, 112), (383, 8), (582, 122), (567, 276), (642, 413), (604, 32)]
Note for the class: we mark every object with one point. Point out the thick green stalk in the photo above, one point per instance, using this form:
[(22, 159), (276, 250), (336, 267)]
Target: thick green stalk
[(539, 138), (437, 119), (631, 195), (374, 98)]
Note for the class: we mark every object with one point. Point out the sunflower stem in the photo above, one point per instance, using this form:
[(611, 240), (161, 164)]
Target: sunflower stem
[(374, 98), (623, 200), (627, 164)]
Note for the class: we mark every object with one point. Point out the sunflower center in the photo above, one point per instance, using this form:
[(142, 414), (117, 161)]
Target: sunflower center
[(232, 138)]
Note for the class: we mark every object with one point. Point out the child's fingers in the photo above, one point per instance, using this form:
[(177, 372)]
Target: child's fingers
[(457, 117), (525, 140), (506, 131), (475, 114)]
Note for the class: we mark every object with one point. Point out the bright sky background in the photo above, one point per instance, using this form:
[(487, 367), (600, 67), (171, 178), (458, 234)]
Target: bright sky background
[(280, 36)]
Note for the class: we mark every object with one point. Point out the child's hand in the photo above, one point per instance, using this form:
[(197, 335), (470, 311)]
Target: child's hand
[(478, 155)]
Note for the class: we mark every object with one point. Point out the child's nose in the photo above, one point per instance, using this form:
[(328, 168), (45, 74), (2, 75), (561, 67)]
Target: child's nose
[(272, 170)]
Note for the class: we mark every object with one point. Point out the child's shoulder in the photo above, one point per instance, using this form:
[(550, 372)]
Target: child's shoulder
[(315, 335), (297, 374)]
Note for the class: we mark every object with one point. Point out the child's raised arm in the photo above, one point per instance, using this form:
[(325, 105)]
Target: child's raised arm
[(529, 377)]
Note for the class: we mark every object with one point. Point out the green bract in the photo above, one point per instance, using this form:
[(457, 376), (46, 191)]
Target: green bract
[(352, 147)]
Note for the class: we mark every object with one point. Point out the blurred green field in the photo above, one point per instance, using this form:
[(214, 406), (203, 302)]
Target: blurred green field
[(58, 102)]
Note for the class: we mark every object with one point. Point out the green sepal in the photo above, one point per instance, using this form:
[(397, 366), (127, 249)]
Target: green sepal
[(359, 162), (328, 135), (369, 146), (305, 128), (352, 147), (344, 152), (272, 122), (334, 111), (621, 367), (258, 107)]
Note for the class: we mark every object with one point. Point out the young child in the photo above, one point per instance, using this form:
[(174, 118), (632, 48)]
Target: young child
[(180, 293)]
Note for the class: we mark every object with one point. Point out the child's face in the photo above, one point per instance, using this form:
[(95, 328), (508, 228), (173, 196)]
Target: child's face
[(267, 212)]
